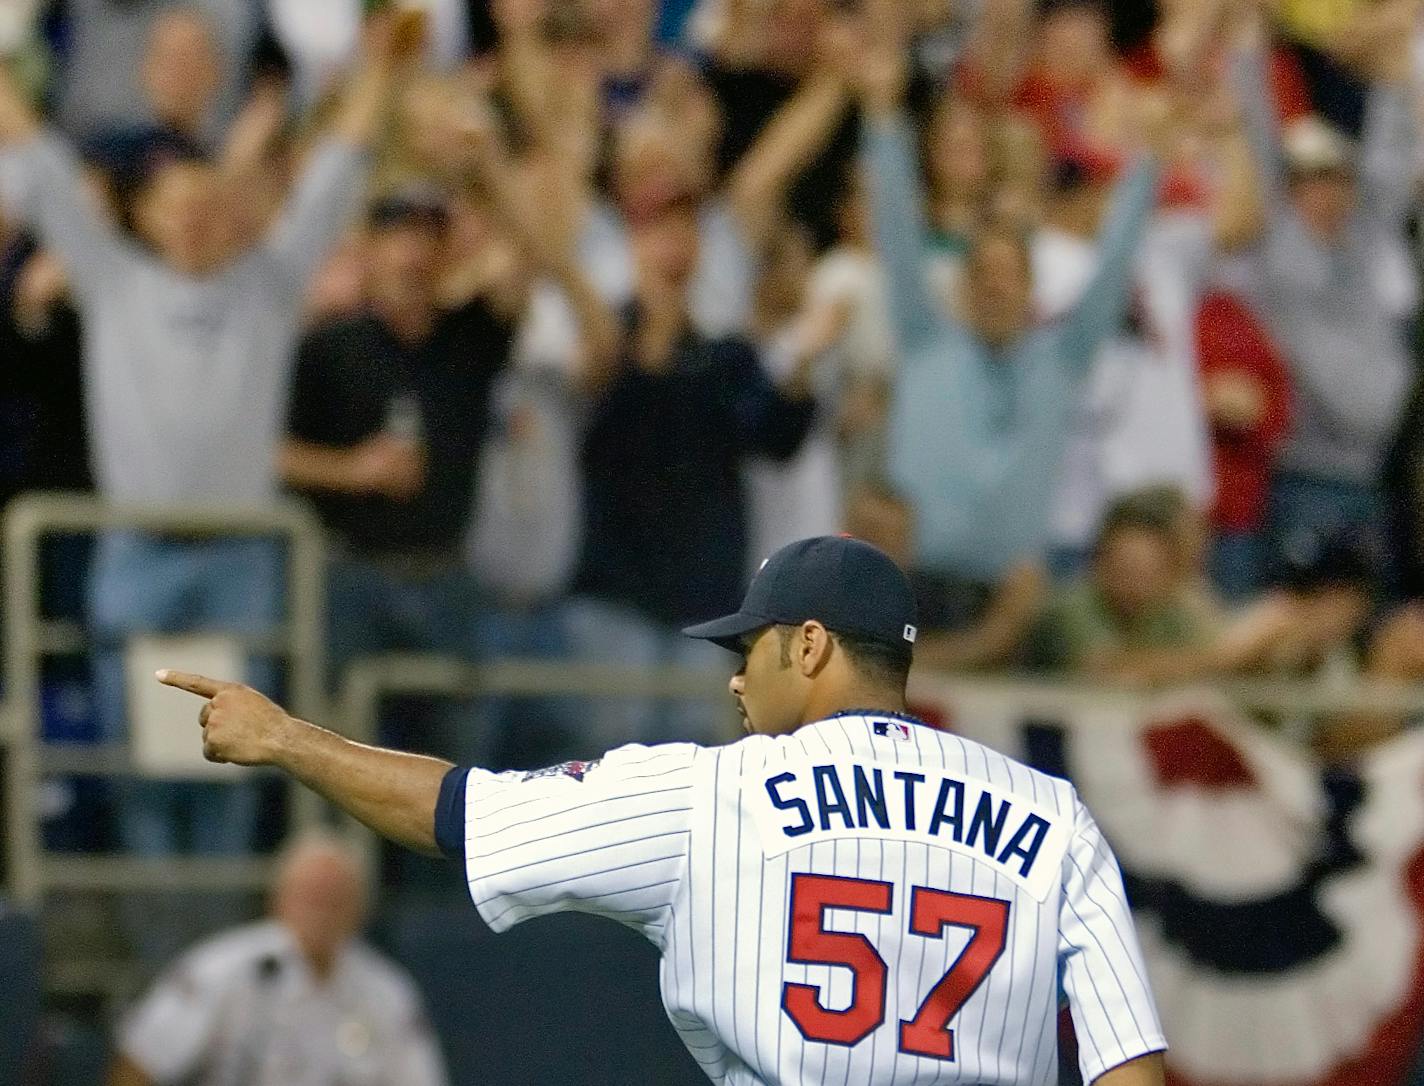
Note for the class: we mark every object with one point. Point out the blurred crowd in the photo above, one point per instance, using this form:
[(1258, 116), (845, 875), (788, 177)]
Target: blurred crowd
[(563, 314)]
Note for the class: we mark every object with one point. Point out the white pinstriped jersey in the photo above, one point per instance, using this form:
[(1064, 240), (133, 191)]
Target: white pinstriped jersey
[(865, 901)]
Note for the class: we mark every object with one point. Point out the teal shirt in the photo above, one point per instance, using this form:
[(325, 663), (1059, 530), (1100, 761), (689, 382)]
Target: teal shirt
[(976, 432)]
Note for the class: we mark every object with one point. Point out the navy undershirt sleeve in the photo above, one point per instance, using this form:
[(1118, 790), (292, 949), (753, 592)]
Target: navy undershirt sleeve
[(450, 814)]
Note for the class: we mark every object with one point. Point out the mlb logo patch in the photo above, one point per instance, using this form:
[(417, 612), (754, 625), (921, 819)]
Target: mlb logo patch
[(891, 729)]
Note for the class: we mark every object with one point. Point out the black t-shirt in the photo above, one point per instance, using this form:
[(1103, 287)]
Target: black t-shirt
[(348, 376), (43, 441), (664, 512)]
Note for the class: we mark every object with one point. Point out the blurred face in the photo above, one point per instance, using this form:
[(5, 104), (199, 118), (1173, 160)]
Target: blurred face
[(1325, 201), (771, 694), (958, 152), (651, 169), (182, 213), (404, 263), (1136, 571), (320, 899), (998, 288), (665, 249), (181, 69), (1073, 43)]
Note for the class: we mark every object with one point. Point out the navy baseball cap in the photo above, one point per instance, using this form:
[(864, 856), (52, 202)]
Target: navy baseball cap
[(845, 584)]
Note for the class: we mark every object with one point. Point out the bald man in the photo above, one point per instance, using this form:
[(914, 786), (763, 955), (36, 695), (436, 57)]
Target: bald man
[(295, 999)]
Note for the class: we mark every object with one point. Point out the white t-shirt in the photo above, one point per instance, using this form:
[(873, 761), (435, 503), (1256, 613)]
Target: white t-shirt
[(243, 1009), (867, 348), (866, 900), (1142, 420), (805, 496), (528, 504), (799, 497)]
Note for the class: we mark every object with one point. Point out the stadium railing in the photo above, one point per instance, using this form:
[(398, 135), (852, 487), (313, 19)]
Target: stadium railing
[(31, 637)]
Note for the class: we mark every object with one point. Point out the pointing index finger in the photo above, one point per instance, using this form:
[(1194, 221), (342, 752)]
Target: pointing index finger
[(201, 685)]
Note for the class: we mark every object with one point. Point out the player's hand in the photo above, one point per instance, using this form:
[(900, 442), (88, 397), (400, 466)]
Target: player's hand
[(239, 724)]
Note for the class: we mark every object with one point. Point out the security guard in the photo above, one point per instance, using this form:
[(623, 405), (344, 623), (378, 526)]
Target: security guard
[(295, 1000)]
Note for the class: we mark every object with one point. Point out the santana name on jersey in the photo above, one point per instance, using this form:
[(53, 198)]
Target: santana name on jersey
[(803, 803)]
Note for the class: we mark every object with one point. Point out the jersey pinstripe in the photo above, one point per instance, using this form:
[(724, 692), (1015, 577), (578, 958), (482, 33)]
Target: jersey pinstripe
[(865, 901)]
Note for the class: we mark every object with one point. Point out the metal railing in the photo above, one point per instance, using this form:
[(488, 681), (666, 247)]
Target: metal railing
[(31, 637)]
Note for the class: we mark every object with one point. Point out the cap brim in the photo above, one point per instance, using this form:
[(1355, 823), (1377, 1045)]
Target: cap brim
[(727, 631)]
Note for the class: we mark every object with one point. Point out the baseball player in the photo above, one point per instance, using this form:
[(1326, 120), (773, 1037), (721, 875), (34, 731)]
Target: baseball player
[(844, 896)]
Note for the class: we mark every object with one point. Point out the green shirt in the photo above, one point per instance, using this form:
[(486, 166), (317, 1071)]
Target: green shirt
[(1078, 623)]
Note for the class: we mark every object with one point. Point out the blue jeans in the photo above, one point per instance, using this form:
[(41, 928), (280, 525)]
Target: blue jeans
[(534, 730), (150, 585), (371, 609), (146, 585), (607, 633), (1308, 505)]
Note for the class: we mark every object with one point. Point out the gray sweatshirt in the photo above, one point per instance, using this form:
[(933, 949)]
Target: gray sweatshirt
[(1346, 349), (186, 379)]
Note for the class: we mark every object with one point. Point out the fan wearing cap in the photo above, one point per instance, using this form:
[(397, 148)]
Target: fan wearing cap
[(800, 884), (1331, 279), (388, 416)]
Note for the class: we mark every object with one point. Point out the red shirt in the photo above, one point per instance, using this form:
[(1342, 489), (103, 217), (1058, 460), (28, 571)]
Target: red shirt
[(1231, 340)]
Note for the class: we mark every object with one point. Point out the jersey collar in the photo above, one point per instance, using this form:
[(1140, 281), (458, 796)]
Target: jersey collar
[(878, 714)]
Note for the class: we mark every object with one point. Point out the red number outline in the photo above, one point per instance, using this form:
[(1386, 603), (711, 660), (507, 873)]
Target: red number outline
[(809, 942)]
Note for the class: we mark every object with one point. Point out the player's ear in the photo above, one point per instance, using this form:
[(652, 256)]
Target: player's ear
[(813, 648)]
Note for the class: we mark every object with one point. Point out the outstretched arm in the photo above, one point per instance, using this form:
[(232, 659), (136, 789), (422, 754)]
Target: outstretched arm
[(393, 793)]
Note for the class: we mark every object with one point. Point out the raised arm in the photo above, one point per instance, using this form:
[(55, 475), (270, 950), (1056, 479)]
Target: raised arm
[(42, 185), (1238, 209), (393, 793), (330, 189), (1104, 301), (756, 189), (472, 146), (1247, 60), (1389, 153), (896, 198)]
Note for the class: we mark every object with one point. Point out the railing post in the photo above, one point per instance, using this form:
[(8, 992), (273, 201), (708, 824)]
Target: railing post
[(22, 690)]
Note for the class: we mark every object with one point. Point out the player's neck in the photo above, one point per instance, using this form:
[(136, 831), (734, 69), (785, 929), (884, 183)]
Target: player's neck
[(853, 699)]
